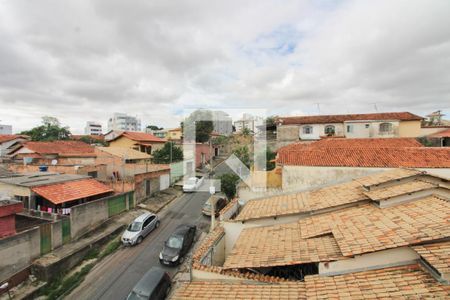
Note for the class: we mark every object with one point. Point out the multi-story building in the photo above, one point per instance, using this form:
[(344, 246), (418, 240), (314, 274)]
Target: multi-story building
[(93, 128), (222, 122), (124, 122), (5, 129), (249, 122), (376, 125)]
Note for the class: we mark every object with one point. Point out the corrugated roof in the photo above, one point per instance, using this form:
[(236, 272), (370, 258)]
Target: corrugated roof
[(387, 176), (402, 116), (68, 191), (400, 189), (418, 157), (437, 255), (125, 153)]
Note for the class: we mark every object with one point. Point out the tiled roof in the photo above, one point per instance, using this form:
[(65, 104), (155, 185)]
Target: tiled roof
[(72, 190), (400, 189), (10, 137), (406, 282), (437, 255), (141, 137), (340, 194), (279, 245), (61, 148), (418, 157), (440, 134), (125, 152), (402, 116), (387, 176), (368, 228), (366, 143), (235, 290)]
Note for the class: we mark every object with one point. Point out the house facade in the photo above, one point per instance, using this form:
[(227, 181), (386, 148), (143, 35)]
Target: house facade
[(377, 125), (8, 142), (140, 141)]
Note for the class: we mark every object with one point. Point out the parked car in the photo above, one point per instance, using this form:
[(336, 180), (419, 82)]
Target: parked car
[(154, 285), (207, 207), (192, 184), (177, 245), (140, 228)]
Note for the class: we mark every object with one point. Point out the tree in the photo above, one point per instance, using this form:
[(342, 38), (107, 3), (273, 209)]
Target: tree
[(243, 154), (90, 140), (167, 154), (154, 127), (50, 130), (270, 155), (202, 120), (246, 131), (228, 184)]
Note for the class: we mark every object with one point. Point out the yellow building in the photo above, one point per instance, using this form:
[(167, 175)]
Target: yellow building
[(140, 141), (175, 134)]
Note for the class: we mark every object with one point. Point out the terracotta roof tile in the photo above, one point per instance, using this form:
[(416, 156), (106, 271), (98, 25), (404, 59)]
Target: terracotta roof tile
[(400, 189), (402, 116), (125, 152), (235, 290), (437, 255), (279, 245), (10, 137), (61, 148), (340, 194), (418, 157), (71, 190), (387, 176), (440, 134), (406, 282), (366, 143), (141, 137)]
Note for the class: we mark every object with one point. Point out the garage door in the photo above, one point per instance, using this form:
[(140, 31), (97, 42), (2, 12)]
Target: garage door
[(164, 182)]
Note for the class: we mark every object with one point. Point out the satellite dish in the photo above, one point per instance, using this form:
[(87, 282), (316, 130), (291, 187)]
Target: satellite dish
[(54, 162)]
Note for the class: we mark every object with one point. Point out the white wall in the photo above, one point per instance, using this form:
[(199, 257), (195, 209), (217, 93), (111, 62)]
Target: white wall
[(164, 182), (360, 129), (319, 130)]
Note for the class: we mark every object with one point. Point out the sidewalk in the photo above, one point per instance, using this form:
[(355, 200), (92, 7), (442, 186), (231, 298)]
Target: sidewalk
[(157, 202)]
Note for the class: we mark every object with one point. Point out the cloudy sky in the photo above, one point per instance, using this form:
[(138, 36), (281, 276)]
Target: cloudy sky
[(82, 60)]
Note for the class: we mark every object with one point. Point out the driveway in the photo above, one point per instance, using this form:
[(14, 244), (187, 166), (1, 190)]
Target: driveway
[(115, 276)]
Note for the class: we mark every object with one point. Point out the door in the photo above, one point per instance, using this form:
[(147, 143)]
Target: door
[(152, 223), (147, 188), (146, 227)]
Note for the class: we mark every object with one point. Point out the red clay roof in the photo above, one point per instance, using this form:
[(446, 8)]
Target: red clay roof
[(417, 157), (402, 116), (71, 190), (61, 148), (141, 137), (440, 134), (10, 137)]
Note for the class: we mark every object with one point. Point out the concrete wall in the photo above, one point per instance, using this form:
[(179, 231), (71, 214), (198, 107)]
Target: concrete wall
[(410, 129), (319, 130), (287, 133), (18, 251), (376, 260), (86, 216), (430, 130)]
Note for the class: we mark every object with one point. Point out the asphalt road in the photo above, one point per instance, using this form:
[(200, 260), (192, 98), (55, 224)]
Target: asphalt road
[(116, 275)]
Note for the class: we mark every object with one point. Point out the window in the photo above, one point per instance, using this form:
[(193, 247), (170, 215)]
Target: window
[(329, 130), (307, 130), (349, 128), (385, 127), (367, 125)]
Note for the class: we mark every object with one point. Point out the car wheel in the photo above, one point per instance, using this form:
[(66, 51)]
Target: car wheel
[(139, 240), (157, 224)]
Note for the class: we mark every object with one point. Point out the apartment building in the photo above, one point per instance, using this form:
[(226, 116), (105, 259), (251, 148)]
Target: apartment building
[(93, 128), (124, 122)]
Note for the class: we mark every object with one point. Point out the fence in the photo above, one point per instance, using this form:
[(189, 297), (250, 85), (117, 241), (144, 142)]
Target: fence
[(177, 171)]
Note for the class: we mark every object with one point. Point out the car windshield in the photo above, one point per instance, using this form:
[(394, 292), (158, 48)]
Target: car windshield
[(135, 296), (135, 226), (175, 242)]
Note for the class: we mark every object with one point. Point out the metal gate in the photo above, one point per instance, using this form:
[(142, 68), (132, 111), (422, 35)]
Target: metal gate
[(116, 205), (46, 238), (66, 234), (131, 200)]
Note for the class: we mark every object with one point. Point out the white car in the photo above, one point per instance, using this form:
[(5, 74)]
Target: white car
[(192, 184), (140, 228)]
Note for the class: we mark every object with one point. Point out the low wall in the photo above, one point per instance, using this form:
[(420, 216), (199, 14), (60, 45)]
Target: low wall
[(87, 216), (18, 251)]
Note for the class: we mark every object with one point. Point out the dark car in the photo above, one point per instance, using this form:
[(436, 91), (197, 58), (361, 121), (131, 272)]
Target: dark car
[(177, 245), (154, 285), (221, 203)]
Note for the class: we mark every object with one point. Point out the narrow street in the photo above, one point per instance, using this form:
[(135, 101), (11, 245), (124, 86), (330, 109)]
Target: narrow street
[(115, 276)]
